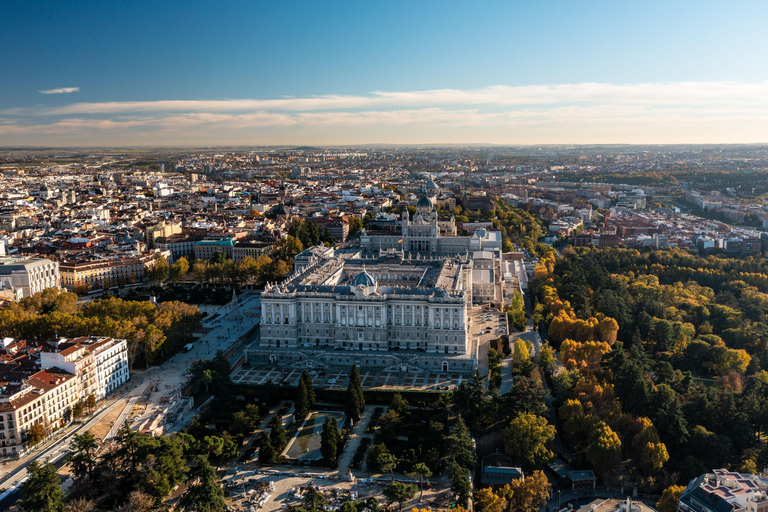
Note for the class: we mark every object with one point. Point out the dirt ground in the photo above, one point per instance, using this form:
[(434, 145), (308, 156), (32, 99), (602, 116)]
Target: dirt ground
[(282, 493), (101, 429)]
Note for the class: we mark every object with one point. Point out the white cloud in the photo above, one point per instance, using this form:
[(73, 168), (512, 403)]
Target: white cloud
[(675, 93), (705, 112), (60, 90)]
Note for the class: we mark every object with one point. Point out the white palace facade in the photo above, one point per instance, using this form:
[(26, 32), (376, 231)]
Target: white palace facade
[(399, 302), (388, 313)]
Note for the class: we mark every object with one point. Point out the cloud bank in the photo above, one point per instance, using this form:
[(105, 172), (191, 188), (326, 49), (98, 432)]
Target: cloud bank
[(60, 90), (674, 112)]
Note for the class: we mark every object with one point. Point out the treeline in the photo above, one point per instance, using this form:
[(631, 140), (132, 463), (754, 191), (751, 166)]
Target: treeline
[(151, 331), (628, 388)]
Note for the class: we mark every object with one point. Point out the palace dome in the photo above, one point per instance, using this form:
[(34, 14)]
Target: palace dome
[(363, 278)]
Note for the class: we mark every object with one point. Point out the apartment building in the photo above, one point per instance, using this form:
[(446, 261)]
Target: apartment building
[(100, 364), (47, 398), (97, 273), (163, 229)]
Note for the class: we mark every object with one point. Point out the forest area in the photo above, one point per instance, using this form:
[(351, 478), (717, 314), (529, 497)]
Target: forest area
[(664, 358)]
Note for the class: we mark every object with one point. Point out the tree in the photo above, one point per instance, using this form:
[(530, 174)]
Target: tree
[(387, 462), (461, 485), (77, 410), (604, 451), (84, 461), (90, 402), (546, 359), (462, 446), (35, 434), (330, 441), (398, 492), (670, 498), (313, 500), (42, 492), (207, 495), (277, 434), (81, 504), (516, 311), (527, 495), (266, 450), (158, 270), (521, 358), (421, 471), (179, 269), (355, 401), (301, 404), (355, 225), (528, 438), (487, 501), (653, 457), (138, 501), (242, 424)]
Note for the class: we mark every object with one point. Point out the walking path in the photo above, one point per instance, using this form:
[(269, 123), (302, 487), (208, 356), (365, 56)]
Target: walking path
[(355, 438)]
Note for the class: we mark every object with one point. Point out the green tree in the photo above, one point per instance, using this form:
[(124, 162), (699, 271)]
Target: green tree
[(355, 225), (179, 269), (422, 472), (219, 258), (314, 501), (604, 451), (546, 359), (301, 404), (242, 424), (330, 441), (461, 485), (462, 446), (528, 438), (207, 495), (387, 462), (158, 270), (670, 498), (267, 453), (355, 401), (84, 460), (311, 398), (42, 492), (398, 492), (521, 358), (277, 434), (516, 311)]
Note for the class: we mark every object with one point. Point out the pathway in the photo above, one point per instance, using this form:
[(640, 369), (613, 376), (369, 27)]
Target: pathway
[(355, 438)]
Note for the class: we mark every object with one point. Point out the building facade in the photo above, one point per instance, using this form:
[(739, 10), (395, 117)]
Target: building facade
[(426, 234), (388, 312), (24, 276)]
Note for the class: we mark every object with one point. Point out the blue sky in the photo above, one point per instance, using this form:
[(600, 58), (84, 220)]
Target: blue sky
[(364, 72)]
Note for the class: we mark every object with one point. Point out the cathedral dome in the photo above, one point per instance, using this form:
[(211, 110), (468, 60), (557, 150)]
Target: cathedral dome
[(431, 185), (363, 278), (424, 202)]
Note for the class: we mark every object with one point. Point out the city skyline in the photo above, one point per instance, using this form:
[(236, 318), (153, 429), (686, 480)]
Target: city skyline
[(340, 73)]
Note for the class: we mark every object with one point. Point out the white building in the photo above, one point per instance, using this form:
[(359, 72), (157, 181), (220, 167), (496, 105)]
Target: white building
[(24, 276), (100, 364), (425, 234), (388, 312), (46, 397)]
